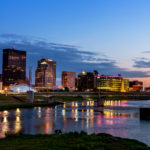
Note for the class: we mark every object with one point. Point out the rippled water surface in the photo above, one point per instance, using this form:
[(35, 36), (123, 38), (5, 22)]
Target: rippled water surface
[(119, 118)]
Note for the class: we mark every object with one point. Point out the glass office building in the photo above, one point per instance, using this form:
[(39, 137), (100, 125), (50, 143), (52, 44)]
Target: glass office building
[(45, 74), (14, 66)]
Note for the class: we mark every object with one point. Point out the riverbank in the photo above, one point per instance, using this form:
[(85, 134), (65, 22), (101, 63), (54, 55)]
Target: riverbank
[(113, 97), (27, 105), (70, 141), (8, 102)]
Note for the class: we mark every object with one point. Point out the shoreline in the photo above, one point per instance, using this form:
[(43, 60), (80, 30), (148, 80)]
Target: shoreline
[(27, 105), (9, 103), (70, 141)]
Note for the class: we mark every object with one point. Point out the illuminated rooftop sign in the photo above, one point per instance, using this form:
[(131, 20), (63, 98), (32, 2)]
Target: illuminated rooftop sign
[(49, 60), (43, 63)]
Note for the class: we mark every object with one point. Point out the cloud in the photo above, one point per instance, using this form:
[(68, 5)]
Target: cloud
[(146, 52), (67, 57), (141, 62)]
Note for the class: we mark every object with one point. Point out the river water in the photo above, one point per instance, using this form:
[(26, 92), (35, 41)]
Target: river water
[(118, 118)]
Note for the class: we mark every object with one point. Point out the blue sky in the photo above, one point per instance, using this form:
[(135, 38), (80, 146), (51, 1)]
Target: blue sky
[(116, 32)]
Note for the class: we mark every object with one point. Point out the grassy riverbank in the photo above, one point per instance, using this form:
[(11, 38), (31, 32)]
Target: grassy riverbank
[(69, 141), (8, 102)]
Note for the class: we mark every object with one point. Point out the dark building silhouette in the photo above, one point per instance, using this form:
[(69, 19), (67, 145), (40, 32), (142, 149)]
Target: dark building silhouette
[(1, 85), (136, 85), (45, 74), (1, 77), (86, 81), (14, 66), (68, 79), (92, 81)]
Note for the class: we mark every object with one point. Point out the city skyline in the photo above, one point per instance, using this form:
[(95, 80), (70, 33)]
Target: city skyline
[(110, 36)]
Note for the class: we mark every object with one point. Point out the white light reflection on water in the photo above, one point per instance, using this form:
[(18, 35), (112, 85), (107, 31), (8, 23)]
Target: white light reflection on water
[(121, 120), (17, 126)]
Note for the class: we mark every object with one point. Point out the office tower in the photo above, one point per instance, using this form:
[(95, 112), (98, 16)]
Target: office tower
[(1, 83), (14, 66), (45, 74), (86, 81), (68, 79), (112, 83)]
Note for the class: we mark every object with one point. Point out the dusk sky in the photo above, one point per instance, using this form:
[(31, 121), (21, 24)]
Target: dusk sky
[(112, 36)]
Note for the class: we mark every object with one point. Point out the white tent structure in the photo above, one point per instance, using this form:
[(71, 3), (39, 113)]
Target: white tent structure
[(22, 88)]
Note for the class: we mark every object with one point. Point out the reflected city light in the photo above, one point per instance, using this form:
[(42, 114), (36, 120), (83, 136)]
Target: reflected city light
[(17, 126), (91, 103), (5, 112), (5, 119), (76, 115), (39, 112), (64, 106), (72, 104), (88, 103), (76, 104), (17, 111), (55, 112), (109, 122), (5, 123), (121, 103), (82, 104), (63, 112), (48, 125), (71, 116), (112, 114), (87, 113)]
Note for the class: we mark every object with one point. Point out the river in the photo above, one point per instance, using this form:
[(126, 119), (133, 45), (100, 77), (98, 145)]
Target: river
[(118, 118)]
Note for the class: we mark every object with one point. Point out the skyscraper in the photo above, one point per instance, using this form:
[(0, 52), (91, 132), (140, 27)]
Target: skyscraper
[(68, 79), (45, 74), (14, 66), (1, 85), (86, 81)]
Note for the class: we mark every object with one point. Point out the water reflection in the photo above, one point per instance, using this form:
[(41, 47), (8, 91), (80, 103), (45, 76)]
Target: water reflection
[(39, 112), (77, 116), (5, 123), (122, 103), (17, 125)]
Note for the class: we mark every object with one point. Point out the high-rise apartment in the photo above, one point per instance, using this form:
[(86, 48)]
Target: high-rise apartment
[(14, 66), (68, 79), (45, 74)]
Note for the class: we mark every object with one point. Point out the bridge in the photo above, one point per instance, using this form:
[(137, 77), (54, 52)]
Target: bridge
[(95, 93)]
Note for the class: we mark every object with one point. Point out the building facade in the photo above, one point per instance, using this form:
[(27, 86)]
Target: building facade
[(1, 83), (14, 66), (86, 81), (136, 85), (112, 83), (68, 79), (45, 75)]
